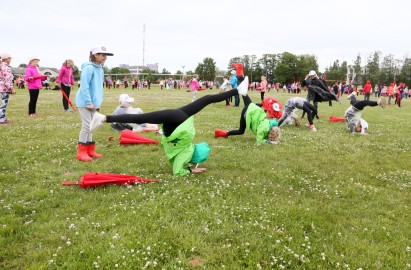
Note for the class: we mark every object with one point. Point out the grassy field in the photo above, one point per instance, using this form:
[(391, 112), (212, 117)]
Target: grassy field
[(324, 200)]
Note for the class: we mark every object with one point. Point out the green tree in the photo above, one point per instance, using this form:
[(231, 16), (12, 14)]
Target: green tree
[(286, 68), (405, 73), (386, 74), (372, 68), (118, 70), (268, 63), (305, 63), (207, 69), (23, 66)]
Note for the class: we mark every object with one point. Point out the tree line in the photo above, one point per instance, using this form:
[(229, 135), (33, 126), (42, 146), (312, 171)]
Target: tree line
[(287, 67)]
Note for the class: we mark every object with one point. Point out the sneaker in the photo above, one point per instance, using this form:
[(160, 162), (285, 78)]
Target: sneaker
[(382, 101), (5, 122), (313, 129), (308, 125), (350, 95), (33, 115), (98, 120), (68, 110), (243, 87)]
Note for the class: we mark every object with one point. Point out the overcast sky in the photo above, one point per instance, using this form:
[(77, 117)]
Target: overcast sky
[(183, 33)]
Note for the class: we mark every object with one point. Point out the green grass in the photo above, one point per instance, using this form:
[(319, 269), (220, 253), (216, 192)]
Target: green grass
[(316, 201)]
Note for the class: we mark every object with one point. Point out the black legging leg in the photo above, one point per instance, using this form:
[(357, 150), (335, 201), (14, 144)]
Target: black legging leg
[(66, 90), (34, 94), (171, 118), (310, 110), (363, 103), (241, 129)]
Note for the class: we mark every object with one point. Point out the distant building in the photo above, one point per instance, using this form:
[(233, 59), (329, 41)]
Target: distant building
[(51, 72), (139, 69)]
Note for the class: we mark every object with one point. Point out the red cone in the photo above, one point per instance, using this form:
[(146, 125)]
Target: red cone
[(129, 137), (336, 119)]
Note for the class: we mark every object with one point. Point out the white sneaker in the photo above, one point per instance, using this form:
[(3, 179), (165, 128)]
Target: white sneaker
[(243, 87), (352, 94), (98, 120), (313, 129)]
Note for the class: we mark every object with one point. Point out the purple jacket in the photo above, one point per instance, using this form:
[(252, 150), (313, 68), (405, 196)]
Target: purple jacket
[(66, 75), (32, 71)]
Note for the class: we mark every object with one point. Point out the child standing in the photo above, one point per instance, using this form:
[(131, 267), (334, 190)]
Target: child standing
[(6, 86), (34, 80), (194, 87), (263, 87), (88, 100), (65, 81)]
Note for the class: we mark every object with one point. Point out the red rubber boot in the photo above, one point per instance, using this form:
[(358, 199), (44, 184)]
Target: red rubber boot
[(220, 133)]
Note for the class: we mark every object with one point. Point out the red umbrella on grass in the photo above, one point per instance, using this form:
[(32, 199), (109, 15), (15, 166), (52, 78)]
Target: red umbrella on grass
[(129, 137), (102, 179), (336, 119)]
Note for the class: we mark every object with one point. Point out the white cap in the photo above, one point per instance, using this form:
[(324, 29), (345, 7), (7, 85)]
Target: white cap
[(100, 49), (276, 107), (233, 71), (125, 98), (33, 58), (5, 55), (312, 73)]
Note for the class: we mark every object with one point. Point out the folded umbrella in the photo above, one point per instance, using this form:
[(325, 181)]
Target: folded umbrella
[(102, 179), (68, 100), (129, 137), (336, 119)]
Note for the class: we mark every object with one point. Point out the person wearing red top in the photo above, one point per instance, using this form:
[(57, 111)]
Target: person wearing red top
[(367, 90), (239, 69)]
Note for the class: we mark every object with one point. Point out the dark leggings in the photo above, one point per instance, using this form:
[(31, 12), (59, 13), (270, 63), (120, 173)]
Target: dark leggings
[(363, 103), (241, 129), (311, 110), (34, 95), (66, 90), (171, 119), (316, 110)]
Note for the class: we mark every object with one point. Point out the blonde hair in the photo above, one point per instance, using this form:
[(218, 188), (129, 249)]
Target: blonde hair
[(68, 61), (276, 133)]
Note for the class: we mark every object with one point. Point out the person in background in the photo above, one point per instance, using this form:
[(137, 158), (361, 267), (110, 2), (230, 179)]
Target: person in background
[(263, 87), (233, 83), (6, 86), (239, 69), (65, 81), (367, 90), (194, 87), (89, 99), (34, 83)]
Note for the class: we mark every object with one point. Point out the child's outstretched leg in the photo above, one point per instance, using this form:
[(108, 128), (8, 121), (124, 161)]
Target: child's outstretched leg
[(241, 129), (360, 105), (311, 111), (175, 117)]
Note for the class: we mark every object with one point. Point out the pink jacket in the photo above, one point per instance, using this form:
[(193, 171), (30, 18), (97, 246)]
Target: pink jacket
[(31, 72), (194, 84), (263, 86), (6, 78), (66, 75)]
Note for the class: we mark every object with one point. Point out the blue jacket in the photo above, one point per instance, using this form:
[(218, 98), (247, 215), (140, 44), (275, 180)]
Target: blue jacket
[(91, 85), (234, 81)]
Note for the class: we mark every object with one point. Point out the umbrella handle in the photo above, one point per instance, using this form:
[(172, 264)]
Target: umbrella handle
[(69, 183)]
